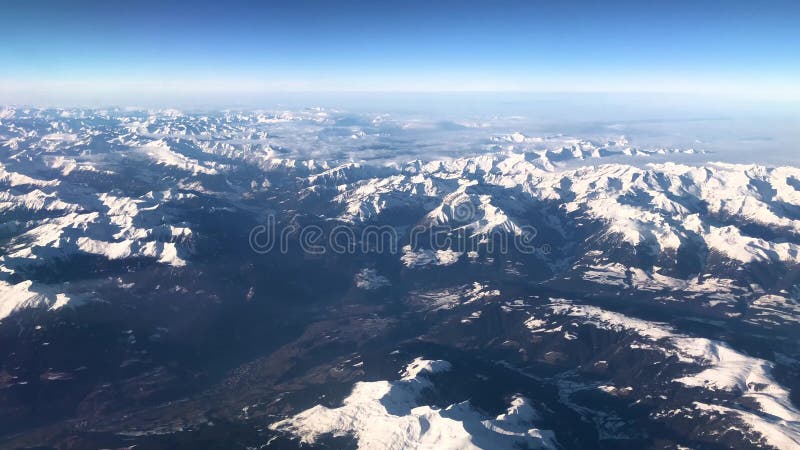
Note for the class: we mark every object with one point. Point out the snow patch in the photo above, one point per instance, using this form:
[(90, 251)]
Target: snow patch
[(370, 279), (425, 257)]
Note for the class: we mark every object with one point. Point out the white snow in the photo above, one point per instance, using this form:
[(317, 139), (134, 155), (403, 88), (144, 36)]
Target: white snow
[(774, 432), (160, 152), (722, 368), (391, 415), (370, 279), (424, 257), (449, 298), (26, 294), (111, 233), (17, 179)]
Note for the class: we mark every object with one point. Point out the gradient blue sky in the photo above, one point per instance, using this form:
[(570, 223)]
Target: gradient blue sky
[(62, 50)]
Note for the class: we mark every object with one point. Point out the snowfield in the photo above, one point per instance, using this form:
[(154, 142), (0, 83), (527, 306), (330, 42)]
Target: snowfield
[(390, 415)]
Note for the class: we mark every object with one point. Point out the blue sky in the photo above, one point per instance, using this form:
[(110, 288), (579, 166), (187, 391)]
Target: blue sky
[(115, 49)]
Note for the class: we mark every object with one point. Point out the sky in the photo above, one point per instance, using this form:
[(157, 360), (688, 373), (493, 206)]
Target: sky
[(116, 52)]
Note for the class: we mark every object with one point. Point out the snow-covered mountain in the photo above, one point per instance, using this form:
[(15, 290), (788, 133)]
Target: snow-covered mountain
[(383, 414), (144, 218), (114, 185)]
